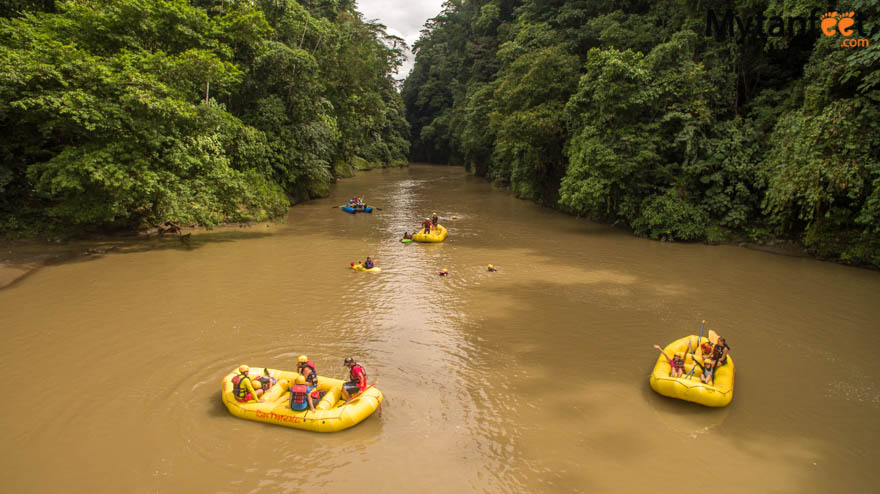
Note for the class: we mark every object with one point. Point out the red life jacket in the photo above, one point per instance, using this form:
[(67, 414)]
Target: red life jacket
[(298, 393), (313, 377), (355, 378)]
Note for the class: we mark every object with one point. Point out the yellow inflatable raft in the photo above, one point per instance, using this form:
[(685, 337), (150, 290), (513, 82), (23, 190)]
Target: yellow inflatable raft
[(438, 234), (331, 413), (692, 389), (360, 267)]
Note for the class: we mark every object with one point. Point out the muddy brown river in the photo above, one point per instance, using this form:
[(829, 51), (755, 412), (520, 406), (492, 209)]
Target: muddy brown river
[(530, 379)]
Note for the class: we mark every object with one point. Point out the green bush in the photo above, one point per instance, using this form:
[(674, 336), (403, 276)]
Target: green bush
[(670, 217)]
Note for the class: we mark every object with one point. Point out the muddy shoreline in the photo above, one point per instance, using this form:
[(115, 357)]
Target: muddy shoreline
[(22, 257)]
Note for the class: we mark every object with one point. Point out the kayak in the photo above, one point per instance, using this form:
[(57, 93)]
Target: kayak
[(406, 240), (357, 209), (360, 267), (692, 389), (331, 413), (438, 234)]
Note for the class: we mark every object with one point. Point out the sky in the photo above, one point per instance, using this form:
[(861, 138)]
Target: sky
[(404, 18)]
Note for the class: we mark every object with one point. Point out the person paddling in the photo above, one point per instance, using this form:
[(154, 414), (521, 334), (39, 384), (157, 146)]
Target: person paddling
[(368, 264), (357, 379)]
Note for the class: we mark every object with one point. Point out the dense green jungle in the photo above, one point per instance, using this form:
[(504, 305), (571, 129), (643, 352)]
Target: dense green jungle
[(125, 114), (680, 120)]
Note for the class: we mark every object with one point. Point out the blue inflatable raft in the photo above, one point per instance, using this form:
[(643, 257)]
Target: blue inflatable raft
[(359, 209)]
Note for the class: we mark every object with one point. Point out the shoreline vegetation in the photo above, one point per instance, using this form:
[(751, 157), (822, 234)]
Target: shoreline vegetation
[(636, 114), (120, 115), (125, 116)]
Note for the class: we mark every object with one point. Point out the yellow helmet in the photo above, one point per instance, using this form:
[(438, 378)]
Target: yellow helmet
[(303, 359), (435, 214), (490, 266), (300, 379), (243, 368)]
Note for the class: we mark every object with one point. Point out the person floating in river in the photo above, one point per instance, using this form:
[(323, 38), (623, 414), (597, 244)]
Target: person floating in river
[(243, 389), (301, 395), (676, 363), (443, 272), (357, 379), (368, 264), (492, 268), (434, 220)]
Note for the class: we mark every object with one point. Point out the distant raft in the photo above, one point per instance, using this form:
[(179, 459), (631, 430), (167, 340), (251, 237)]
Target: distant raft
[(360, 267), (331, 413), (692, 389), (438, 234), (356, 209)]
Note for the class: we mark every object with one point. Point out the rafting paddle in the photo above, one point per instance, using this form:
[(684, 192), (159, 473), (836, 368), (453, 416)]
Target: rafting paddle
[(699, 342)]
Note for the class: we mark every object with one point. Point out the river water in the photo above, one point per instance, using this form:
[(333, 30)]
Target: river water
[(530, 379)]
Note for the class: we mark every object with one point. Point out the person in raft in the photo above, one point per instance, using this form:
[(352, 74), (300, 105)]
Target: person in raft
[(719, 352), (263, 383), (368, 264), (434, 220), (427, 225), (243, 389), (357, 379), (676, 363), (706, 349), (307, 369), (708, 375), (301, 395)]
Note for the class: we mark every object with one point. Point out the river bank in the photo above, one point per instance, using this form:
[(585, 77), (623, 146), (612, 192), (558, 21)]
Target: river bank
[(21, 255)]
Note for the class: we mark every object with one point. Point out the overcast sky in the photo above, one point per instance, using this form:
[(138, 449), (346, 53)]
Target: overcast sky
[(404, 18)]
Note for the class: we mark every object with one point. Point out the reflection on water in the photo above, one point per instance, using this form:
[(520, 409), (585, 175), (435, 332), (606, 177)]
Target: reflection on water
[(530, 379)]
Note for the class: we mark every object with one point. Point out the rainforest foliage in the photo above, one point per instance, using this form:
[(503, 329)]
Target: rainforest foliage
[(132, 113), (629, 112)]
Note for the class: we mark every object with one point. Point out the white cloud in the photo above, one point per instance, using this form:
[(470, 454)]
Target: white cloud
[(404, 18)]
